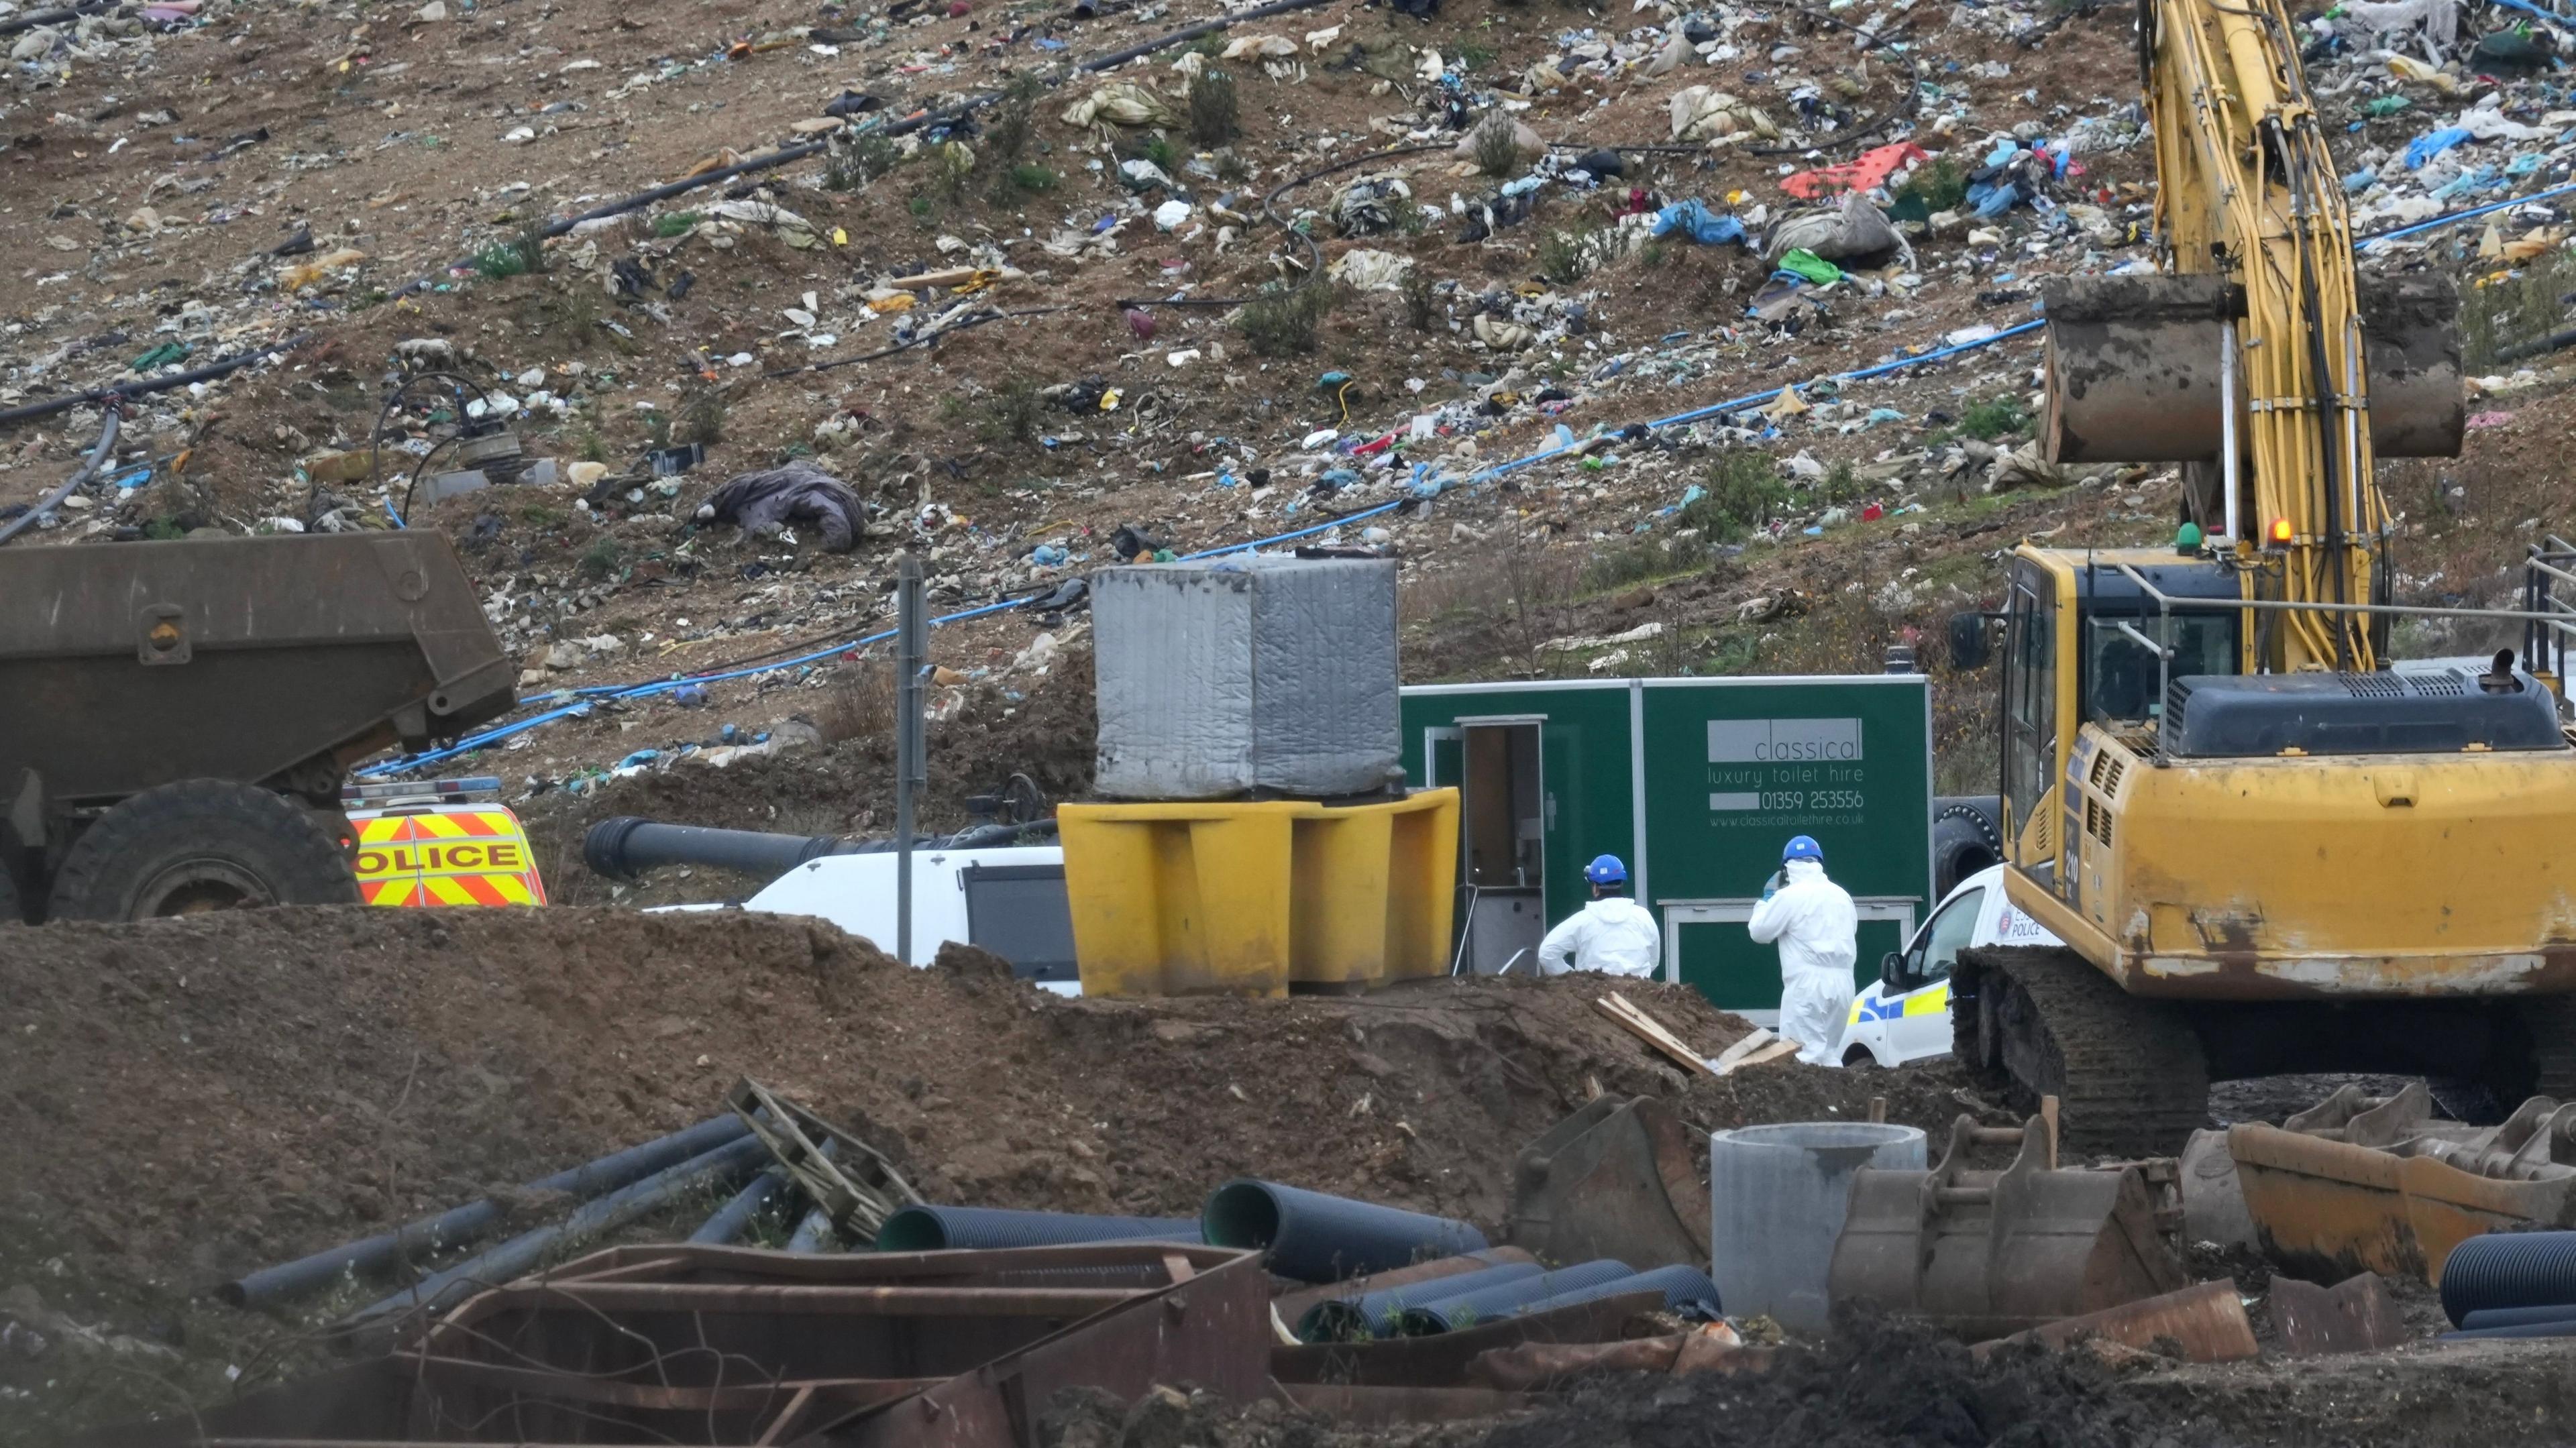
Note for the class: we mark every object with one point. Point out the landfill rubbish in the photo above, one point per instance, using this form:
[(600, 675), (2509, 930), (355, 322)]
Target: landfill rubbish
[(1867, 171), (763, 503), (1854, 231), (1693, 219), (1703, 113)]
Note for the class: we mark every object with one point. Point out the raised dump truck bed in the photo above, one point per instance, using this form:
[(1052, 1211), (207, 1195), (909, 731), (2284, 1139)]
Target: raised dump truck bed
[(176, 718)]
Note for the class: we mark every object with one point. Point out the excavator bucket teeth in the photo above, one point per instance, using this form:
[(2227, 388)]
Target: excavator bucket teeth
[(1616, 1179), (2134, 375), (1985, 1254)]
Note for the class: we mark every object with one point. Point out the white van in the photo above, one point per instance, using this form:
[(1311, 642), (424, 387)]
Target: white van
[(1905, 1014), (1008, 900)]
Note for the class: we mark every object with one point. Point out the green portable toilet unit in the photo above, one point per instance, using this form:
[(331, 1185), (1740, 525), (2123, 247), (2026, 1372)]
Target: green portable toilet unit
[(1696, 784)]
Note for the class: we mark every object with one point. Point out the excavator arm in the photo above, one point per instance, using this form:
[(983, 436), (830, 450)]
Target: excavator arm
[(2258, 354), (2248, 192)]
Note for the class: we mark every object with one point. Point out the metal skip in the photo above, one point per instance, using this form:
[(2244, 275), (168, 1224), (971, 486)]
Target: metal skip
[(1989, 1253), (734, 1346)]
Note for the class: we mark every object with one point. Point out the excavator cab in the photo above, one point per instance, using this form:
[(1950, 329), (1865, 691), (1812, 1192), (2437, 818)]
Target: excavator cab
[(2258, 870)]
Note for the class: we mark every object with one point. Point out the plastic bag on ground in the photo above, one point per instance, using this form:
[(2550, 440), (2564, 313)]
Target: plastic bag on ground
[(1808, 266), (1123, 103), (764, 502), (2421, 151), (1700, 113), (1693, 219), (1371, 271)]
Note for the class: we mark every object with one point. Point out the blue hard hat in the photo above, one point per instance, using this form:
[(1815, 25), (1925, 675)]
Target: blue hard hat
[(1802, 847), (1606, 870)]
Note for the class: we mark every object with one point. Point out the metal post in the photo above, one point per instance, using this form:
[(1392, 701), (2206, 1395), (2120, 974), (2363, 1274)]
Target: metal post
[(2227, 426), (912, 661)]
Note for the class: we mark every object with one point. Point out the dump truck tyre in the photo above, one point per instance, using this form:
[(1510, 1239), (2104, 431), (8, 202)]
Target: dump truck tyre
[(200, 844), (2130, 1075)]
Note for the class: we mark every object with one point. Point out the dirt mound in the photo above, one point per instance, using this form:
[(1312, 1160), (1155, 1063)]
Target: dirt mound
[(1879, 1382), (214, 1094)]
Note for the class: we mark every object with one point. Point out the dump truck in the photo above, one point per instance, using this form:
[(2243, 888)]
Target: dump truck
[(177, 718), (2266, 845)]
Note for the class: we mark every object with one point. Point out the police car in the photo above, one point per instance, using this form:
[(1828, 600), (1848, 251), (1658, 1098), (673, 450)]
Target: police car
[(1904, 1015), (429, 843)]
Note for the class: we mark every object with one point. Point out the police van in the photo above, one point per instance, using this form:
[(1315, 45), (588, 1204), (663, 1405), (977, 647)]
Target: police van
[(440, 842), (1905, 1014)]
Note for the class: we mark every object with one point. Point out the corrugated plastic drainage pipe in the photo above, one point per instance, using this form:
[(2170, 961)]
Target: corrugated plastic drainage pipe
[(1374, 1314), (2509, 1269), (1681, 1286), (934, 1229), (1466, 1309), (1315, 1237), (1777, 1197)]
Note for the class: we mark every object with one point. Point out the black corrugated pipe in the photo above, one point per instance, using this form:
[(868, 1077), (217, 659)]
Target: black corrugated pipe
[(2562, 1327), (1314, 1237), (734, 1217), (459, 1225), (514, 1257), (1374, 1314), (1681, 1286), (1463, 1309), (2518, 1316), (934, 1229), (2509, 1269), (624, 847)]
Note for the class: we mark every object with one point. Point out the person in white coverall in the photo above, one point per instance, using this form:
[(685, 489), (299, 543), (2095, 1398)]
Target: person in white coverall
[(1819, 934), (1612, 934)]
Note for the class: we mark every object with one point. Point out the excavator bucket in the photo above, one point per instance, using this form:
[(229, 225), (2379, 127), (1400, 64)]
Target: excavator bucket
[(1985, 1254), (1616, 1179), (2375, 1184), (2134, 374)]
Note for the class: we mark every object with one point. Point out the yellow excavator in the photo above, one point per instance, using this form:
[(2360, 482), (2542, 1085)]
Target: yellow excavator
[(2268, 846)]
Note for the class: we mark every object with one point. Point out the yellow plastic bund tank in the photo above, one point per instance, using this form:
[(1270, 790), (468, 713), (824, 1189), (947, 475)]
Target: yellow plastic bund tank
[(1189, 898)]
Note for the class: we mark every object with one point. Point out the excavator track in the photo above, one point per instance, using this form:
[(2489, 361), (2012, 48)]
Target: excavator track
[(2549, 1027), (2130, 1076)]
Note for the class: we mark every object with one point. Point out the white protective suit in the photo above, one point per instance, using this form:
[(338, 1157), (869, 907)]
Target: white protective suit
[(1818, 930), (1614, 935)]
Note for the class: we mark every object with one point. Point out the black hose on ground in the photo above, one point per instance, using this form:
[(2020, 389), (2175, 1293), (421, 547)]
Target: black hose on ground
[(212, 370), (31, 20), (89, 468)]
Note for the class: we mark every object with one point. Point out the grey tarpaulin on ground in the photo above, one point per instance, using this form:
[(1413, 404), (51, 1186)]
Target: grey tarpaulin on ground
[(768, 500), (1844, 232)]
